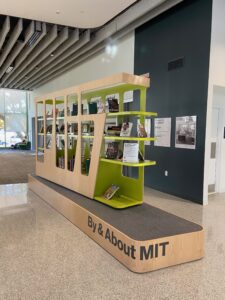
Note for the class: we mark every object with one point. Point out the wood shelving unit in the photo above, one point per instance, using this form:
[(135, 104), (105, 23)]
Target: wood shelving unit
[(70, 142)]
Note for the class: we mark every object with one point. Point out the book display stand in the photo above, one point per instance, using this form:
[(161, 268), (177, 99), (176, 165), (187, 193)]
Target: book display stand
[(83, 157), (71, 143)]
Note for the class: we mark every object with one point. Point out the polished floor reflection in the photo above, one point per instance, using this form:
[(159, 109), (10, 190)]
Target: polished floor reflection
[(44, 256)]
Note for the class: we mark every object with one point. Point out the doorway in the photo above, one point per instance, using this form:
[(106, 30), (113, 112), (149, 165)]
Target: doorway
[(216, 181)]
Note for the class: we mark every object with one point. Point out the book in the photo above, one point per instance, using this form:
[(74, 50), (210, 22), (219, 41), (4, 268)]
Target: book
[(101, 107), (112, 150), (126, 129), (62, 128), (92, 108), (113, 130), (141, 131), (74, 110), (140, 156), (49, 129), (130, 152), (113, 105), (110, 192)]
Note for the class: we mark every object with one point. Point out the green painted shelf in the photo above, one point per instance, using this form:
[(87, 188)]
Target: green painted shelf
[(133, 113), (144, 163), (87, 136), (119, 201), (128, 138), (121, 138), (40, 149)]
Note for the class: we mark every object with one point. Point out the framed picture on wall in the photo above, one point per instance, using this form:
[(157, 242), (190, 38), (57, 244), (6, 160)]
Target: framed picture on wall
[(186, 132)]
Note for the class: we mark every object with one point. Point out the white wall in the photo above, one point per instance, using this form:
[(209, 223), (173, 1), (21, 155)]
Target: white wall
[(216, 75), (219, 102), (98, 66), (101, 65)]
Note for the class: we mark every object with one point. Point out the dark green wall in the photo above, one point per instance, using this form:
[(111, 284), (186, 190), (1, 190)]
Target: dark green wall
[(184, 31)]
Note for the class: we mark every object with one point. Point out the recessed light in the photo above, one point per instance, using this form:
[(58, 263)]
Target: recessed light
[(10, 68), (52, 54), (58, 12)]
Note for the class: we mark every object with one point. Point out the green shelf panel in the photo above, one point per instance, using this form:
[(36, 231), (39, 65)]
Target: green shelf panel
[(87, 136), (139, 164), (128, 138), (40, 149), (118, 201), (133, 113), (49, 101), (115, 89)]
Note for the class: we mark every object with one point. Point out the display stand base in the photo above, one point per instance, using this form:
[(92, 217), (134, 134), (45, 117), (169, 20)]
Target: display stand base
[(143, 238)]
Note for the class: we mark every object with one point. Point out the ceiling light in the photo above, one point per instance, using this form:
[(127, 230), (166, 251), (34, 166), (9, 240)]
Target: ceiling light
[(57, 12), (10, 68), (111, 50), (52, 54)]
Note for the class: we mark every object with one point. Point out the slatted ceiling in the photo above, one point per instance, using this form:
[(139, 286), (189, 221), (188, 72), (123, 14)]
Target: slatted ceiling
[(61, 38), (53, 45), (5, 27), (29, 64), (42, 46), (18, 48), (34, 74), (60, 62)]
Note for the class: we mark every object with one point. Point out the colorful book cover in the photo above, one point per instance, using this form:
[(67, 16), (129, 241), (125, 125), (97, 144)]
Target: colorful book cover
[(112, 150), (110, 192), (126, 129), (113, 105), (141, 131)]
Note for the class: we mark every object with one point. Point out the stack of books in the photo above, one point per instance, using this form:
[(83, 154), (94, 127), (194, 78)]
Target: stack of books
[(71, 164), (61, 162)]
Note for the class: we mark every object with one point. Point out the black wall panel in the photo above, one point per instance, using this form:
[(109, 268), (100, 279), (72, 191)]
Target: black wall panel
[(182, 32)]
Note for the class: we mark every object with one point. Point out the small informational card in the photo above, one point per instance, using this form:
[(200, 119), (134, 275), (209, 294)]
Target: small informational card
[(130, 152), (163, 132)]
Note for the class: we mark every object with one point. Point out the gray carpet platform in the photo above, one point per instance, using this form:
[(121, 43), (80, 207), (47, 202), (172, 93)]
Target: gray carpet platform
[(144, 222)]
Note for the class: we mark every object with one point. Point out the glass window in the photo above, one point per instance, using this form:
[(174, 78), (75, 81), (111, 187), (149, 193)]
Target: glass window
[(15, 102), (13, 117)]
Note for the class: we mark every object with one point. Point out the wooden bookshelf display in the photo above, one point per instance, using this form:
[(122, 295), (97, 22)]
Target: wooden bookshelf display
[(72, 169), (71, 142)]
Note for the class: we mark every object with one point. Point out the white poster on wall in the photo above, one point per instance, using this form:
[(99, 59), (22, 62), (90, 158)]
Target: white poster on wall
[(186, 132), (163, 132)]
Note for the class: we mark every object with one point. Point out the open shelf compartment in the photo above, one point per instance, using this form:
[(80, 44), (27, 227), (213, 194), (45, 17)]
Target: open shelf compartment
[(119, 201)]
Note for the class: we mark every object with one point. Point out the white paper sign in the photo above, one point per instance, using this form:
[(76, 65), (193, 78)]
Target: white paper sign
[(130, 152), (163, 132), (186, 132)]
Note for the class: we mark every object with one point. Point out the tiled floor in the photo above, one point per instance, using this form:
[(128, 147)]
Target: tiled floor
[(44, 256)]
